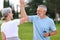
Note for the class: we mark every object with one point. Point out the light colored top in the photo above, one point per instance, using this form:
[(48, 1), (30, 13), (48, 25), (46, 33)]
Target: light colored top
[(40, 25), (10, 28)]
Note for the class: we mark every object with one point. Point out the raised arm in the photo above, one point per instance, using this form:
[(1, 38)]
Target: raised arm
[(3, 36), (24, 16), (22, 6)]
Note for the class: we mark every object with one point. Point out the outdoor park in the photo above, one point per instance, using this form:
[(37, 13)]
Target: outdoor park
[(26, 29), (26, 32)]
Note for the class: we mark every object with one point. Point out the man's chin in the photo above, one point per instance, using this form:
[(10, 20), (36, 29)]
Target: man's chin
[(40, 15)]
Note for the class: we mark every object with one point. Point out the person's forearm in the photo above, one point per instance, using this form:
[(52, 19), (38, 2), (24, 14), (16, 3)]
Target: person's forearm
[(49, 34), (22, 9), (3, 36), (24, 16), (23, 12), (52, 33)]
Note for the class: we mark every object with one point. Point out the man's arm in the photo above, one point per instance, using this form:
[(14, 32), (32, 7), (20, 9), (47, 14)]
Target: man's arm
[(23, 12), (22, 7), (50, 34), (53, 33), (53, 29), (3, 36), (24, 16)]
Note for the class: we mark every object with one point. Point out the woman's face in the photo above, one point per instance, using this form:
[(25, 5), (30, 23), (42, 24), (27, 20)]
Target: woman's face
[(10, 14)]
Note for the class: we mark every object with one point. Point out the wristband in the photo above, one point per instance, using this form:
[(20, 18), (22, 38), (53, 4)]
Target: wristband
[(49, 34)]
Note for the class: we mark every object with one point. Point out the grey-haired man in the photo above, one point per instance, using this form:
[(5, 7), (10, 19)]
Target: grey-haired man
[(43, 26)]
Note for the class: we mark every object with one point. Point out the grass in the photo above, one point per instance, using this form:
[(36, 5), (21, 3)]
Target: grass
[(26, 32), (0, 32), (57, 36)]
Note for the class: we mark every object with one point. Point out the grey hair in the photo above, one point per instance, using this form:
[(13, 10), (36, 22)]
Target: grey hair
[(43, 6), (5, 12)]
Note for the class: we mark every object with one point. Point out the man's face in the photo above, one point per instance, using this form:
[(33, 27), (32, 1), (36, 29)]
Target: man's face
[(41, 11), (10, 14)]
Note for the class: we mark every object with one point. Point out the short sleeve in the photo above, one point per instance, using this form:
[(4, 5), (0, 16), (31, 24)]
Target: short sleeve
[(2, 28), (31, 18), (16, 21), (52, 26)]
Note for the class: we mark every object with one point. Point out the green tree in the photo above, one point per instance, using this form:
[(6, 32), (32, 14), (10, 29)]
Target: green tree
[(6, 3), (31, 10), (53, 6)]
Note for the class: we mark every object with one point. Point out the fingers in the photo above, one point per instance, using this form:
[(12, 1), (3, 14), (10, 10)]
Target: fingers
[(22, 3), (46, 34)]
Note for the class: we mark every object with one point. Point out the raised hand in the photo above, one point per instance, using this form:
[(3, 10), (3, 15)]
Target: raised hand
[(22, 3), (46, 34)]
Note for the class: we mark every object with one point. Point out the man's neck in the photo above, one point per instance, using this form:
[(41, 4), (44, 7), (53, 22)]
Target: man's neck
[(44, 16)]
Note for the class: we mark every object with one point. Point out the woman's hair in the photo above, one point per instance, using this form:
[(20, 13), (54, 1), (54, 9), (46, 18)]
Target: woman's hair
[(5, 12)]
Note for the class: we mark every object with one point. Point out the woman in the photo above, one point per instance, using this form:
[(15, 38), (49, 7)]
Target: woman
[(9, 27)]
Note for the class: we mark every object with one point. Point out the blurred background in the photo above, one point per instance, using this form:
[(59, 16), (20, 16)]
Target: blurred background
[(26, 29), (52, 5)]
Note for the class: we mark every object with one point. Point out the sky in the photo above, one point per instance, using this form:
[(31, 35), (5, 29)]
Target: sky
[(14, 2), (1, 4)]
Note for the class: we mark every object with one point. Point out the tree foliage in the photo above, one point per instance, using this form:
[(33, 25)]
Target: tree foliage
[(31, 10), (54, 5), (6, 4)]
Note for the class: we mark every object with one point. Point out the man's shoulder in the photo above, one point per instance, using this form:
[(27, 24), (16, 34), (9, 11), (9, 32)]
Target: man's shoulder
[(50, 19)]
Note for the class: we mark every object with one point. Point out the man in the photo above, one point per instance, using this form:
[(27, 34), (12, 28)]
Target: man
[(43, 26), (9, 28)]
